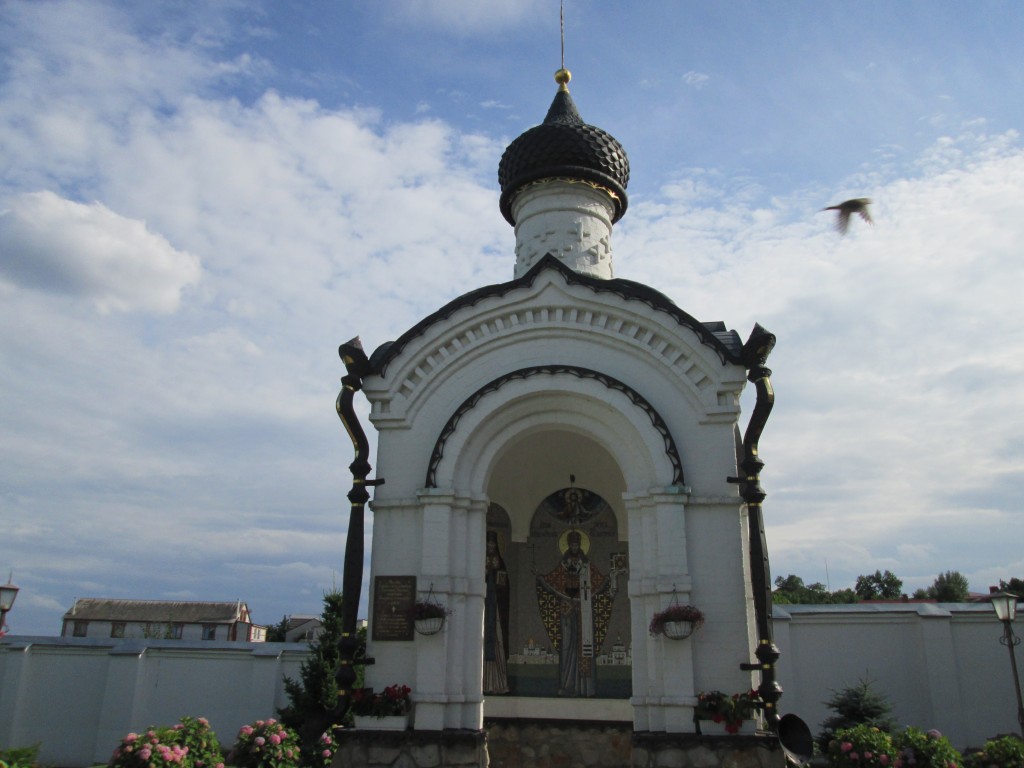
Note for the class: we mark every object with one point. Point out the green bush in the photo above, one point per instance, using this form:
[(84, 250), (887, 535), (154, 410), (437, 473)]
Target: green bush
[(265, 744), (863, 746), (189, 744), (1003, 752), (21, 757), (858, 704), (922, 749), (196, 735)]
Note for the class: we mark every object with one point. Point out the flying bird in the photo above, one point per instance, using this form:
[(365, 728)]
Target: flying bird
[(858, 205)]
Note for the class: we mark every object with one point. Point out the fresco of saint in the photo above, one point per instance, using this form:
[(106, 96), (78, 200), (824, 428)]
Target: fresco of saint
[(575, 601), (495, 619)]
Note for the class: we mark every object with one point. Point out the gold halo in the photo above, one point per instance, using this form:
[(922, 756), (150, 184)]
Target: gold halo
[(563, 541)]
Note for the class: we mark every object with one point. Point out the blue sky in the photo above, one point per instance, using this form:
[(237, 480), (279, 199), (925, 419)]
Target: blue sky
[(199, 202)]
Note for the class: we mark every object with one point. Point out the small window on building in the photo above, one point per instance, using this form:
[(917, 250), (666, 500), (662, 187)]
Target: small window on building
[(81, 627), (117, 629), (209, 631), (176, 631)]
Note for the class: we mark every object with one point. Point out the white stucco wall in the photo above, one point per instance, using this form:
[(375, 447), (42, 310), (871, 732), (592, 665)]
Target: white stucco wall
[(941, 665), (77, 697)]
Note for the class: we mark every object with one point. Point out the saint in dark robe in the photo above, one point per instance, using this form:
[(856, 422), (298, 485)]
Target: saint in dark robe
[(495, 619)]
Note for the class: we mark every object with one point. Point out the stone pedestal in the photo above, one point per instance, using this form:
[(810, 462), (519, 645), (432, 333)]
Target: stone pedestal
[(410, 749), (687, 750)]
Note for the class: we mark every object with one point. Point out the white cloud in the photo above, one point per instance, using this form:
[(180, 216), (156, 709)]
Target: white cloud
[(89, 251), (469, 16), (694, 79)]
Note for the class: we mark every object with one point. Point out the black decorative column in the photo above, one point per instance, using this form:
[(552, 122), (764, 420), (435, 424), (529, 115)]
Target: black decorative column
[(755, 355), (357, 365)]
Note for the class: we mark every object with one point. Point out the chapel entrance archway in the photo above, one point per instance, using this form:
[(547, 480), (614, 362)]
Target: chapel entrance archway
[(557, 620)]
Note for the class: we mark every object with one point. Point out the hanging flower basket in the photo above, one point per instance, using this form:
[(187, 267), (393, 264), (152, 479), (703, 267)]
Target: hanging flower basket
[(677, 621), (428, 617), (678, 630)]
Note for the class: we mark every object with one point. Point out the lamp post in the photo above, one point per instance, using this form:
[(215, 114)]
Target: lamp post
[(1005, 604), (7, 594)]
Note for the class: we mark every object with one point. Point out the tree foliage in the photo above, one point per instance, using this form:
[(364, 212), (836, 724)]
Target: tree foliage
[(792, 590), (879, 586), (313, 698), (854, 705), (948, 587), (276, 632), (1014, 585)]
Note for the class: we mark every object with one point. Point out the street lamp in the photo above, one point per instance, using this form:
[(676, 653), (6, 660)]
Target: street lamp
[(7, 594), (1005, 604)]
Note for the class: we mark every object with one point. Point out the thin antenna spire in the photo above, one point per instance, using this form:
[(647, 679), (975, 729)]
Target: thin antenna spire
[(561, 21)]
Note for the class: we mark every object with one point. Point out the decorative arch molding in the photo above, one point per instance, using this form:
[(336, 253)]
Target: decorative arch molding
[(638, 400)]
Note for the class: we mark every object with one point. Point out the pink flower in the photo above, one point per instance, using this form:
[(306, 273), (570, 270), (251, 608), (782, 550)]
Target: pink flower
[(867, 755), (326, 753), (325, 739), (846, 746), (145, 753), (883, 759), (203, 721), (131, 737), (260, 740), (271, 721), (246, 729), (854, 756)]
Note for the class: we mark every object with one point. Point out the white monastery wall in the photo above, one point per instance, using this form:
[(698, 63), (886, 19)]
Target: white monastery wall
[(78, 697), (941, 665)]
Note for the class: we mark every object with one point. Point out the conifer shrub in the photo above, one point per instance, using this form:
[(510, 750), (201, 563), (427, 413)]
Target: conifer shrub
[(858, 704)]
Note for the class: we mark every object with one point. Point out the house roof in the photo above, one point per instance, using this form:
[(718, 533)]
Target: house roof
[(103, 609)]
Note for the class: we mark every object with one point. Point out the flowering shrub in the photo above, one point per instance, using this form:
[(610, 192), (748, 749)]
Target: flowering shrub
[(394, 700), (265, 744), (925, 749), (326, 745), (156, 748), (722, 708), (1004, 752), (189, 744), (199, 741), (862, 746)]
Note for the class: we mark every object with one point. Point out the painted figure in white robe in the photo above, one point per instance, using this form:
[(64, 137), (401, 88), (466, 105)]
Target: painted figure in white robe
[(575, 603)]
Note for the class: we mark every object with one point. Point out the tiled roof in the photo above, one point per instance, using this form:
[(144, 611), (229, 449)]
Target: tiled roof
[(102, 609)]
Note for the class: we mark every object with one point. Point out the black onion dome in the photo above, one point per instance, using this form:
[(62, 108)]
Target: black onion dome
[(563, 145)]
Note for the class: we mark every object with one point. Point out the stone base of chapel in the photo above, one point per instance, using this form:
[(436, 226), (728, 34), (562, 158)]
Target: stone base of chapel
[(546, 744)]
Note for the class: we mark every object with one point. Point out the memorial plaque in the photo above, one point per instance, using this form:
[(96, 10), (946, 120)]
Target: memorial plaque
[(393, 597)]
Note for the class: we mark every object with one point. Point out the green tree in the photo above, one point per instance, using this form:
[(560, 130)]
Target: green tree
[(1014, 585), (276, 632), (950, 587), (792, 590), (879, 586), (313, 706), (858, 704)]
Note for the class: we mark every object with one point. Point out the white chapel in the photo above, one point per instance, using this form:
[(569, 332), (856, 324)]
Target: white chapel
[(561, 454)]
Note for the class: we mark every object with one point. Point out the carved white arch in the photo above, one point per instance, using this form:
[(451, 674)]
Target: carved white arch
[(503, 415)]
